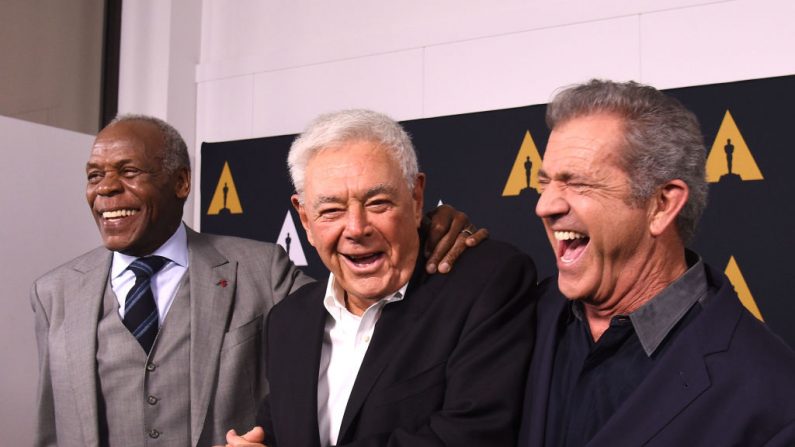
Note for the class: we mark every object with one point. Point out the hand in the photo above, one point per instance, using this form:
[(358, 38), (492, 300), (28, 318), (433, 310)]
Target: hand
[(254, 438), (449, 234)]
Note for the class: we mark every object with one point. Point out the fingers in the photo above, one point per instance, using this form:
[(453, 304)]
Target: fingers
[(464, 240), (256, 434), (253, 438), (477, 237), (440, 251)]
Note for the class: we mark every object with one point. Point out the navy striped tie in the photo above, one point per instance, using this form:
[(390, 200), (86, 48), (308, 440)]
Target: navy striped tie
[(140, 310)]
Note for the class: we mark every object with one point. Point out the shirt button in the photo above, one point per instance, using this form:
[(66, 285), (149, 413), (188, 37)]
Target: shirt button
[(366, 339), (151, 367), (152, 400), (154, 434)]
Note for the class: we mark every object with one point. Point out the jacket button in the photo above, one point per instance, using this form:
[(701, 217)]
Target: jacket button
[(151, 367), (154, 434), (152, 400)]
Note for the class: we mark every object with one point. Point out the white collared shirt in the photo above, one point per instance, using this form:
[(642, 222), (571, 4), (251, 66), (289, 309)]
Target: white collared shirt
[(164, 283), (345, 343)]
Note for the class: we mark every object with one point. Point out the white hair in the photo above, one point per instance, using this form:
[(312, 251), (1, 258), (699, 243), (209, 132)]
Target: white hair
[(332, 129)]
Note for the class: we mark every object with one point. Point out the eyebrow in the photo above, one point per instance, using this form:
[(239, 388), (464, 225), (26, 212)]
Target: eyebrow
[(564, 176), (117, 163)]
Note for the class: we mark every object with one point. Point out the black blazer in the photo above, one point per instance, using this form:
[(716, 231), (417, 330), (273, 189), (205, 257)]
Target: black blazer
[(725, 381), (446, 365)]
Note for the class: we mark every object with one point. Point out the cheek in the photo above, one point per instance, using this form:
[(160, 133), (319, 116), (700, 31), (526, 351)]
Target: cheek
[(324, 236)]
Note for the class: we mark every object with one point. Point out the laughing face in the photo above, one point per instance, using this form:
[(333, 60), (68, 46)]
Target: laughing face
[(601, 241), (136, 204), (362, 218)]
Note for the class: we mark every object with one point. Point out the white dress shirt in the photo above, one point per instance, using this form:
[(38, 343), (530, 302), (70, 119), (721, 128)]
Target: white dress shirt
[(345, 343), (164, 283)]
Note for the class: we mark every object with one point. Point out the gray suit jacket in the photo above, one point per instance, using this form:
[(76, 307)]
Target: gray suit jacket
[(233, 284)]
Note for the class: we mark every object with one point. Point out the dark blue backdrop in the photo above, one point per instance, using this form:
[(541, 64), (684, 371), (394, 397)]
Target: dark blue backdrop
[(469, 159)]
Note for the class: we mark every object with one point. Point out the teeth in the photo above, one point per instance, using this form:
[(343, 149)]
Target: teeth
[(118, 213), (568, 235)]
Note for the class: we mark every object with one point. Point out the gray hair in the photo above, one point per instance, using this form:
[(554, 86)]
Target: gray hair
[(663, 140), (174, 148), (352, 125)]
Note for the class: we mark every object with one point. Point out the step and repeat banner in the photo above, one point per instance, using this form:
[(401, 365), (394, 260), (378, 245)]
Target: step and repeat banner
[(486, 164)]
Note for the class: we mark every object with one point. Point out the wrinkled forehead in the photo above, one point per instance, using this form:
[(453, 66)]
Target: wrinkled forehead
[(587, 143), (133, 136), (357, 167)]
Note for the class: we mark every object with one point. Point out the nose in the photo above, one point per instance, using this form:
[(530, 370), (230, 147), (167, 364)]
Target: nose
[(109, 184), (357, 225), (552, 203)]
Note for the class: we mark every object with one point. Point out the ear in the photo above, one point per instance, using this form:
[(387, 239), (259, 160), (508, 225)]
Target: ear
[(418, 196), (668, 202), (182, 185), (304, 218)]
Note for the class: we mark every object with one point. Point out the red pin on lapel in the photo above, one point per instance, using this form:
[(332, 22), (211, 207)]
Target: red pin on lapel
[(222, 283)]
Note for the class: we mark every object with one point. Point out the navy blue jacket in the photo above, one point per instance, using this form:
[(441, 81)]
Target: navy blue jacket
[(726, 380)]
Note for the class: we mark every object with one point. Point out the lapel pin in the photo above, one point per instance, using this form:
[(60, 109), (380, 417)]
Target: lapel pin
[(222, 283)]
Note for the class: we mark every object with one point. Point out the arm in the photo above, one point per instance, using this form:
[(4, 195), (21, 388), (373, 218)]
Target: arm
[(286, 278), (45, 406), (449, 234), (486, 371)]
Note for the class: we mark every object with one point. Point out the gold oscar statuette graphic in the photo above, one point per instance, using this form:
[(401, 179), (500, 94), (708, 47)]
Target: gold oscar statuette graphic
[(524, 174), (741, 287), (225, 199), (730, 159)]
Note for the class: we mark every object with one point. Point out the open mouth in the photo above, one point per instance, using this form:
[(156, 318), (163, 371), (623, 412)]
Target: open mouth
[(365, 260), (118, 214), (571, 245)]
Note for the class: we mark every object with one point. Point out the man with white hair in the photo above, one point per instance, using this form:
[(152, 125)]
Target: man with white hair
[(382, 353)]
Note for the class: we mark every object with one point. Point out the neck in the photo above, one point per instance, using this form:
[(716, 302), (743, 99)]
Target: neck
[(661, 269)]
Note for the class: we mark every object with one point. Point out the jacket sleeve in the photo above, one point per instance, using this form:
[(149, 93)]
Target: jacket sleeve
[(286, 278), (45, 408)]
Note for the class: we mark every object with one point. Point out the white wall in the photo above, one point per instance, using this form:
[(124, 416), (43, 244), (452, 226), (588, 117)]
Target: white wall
[(159, 51), (46, 222), (267, 67)]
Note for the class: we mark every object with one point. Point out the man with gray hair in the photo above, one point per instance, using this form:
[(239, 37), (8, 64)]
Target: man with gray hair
[(639, 342), (382, 353), (131, 334)]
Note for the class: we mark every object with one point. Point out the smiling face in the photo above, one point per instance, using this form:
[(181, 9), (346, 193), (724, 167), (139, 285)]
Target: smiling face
[(602, 243), (362, 218), (136, 204)]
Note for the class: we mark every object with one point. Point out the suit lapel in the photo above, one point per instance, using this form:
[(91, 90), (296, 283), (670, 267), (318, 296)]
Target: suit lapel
[(83, 297), (396, 321), (550, 312), (680, 377), (676, 382), (307, 331), (212, 280)]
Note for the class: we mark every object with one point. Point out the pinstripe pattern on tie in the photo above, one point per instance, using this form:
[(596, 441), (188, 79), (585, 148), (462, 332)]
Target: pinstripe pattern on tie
[(140, 309)]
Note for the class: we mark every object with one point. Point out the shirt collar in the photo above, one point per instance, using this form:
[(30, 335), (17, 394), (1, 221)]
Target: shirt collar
[(335, 304), (174, 249), (654, 320)]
